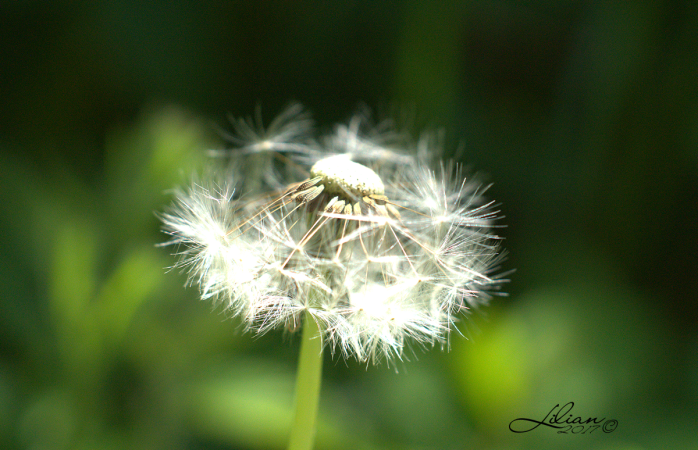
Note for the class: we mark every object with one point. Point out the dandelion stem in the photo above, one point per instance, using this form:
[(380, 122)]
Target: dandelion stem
[(308, 382)]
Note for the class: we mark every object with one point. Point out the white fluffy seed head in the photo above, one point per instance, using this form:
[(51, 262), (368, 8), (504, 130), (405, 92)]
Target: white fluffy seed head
[(373, 283)]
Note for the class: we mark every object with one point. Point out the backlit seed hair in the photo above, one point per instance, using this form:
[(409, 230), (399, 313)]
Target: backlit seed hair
[(354, 228)]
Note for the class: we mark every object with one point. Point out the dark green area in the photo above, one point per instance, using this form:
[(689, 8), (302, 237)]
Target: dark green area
[(584, 115)]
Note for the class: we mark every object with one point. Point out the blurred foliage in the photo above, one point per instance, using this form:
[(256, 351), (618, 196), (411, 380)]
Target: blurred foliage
[(584, 113)]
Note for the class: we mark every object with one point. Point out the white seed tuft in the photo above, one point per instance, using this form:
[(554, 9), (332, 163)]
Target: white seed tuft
[(379, 248)]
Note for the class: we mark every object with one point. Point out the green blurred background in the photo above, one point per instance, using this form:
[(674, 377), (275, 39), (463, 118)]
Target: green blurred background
[(584, 115)]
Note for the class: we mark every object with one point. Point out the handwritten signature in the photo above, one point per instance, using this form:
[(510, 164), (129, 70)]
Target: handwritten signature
[(560, 418)]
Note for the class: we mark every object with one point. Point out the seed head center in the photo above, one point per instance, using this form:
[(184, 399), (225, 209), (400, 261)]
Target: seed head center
[(345, 178)]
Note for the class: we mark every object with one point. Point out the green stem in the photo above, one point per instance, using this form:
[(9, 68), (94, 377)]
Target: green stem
[(308, 382)]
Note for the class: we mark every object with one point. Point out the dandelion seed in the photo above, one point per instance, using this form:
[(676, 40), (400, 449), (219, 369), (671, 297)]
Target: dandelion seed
[(380, 249)]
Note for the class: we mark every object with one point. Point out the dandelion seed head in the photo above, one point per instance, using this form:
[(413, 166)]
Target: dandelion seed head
[(381, 249)]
